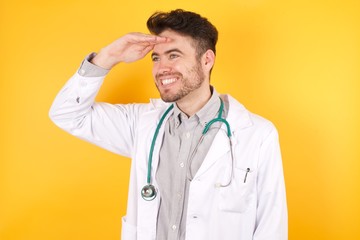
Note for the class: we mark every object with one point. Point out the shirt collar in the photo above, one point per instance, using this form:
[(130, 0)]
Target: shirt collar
[(205, 114)]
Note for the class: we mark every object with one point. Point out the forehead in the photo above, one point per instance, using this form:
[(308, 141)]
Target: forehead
[(178, 41)]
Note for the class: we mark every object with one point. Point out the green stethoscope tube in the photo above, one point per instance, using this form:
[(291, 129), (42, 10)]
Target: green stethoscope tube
[(218, 119), (148, 192)]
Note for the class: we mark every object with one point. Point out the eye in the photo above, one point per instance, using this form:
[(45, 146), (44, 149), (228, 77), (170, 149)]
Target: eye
[(173, 56), (155, 58)]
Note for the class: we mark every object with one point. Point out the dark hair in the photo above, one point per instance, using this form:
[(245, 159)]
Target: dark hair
[(186, 23)]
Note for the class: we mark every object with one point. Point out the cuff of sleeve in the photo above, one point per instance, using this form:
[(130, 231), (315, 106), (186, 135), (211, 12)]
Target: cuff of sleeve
[(87, 69)]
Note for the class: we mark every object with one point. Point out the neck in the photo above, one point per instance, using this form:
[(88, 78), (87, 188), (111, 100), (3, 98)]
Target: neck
[(194, 101)]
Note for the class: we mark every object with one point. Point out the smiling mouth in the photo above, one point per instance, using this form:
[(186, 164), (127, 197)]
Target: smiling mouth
[(168, 81)]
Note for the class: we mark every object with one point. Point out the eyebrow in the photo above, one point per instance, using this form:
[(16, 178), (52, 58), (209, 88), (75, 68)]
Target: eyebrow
[(168, 51)]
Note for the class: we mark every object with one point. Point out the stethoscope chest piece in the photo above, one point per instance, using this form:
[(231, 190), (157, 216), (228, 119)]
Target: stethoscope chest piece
[(148, 192)]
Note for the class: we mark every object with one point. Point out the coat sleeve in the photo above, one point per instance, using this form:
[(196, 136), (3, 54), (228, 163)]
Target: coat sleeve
[(109, 126), (271, 218)]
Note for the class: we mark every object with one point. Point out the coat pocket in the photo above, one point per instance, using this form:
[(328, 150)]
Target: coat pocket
[(128, 231), (237, 197)]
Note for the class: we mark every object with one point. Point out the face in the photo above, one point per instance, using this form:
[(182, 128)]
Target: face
[(178, 74)]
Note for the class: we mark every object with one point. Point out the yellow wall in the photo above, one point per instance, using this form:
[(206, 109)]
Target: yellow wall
[(294, 62)]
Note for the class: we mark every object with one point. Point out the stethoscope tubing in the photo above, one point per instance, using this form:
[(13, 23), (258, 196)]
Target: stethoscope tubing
[(148, 180)]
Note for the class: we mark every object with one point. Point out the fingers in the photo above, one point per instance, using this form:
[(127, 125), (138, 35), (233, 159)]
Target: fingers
[(159, 39), (147, 49), (129, 48), (148, 38)]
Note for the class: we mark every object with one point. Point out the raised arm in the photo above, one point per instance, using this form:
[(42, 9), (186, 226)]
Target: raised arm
[(109, 126)]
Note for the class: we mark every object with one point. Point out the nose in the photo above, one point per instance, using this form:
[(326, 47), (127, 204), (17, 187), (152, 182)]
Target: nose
[(163, 66)]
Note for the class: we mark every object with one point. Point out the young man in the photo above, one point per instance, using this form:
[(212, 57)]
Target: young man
[(203, 167)]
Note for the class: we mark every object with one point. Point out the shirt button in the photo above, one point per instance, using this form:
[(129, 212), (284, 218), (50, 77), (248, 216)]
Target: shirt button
[(187, 135), (82, 71), (182, 164), (173, 227)]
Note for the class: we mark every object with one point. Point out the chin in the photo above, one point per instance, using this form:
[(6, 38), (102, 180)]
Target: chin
[(169, 98)]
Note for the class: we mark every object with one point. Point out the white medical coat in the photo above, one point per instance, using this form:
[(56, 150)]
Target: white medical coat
[(248, 209)]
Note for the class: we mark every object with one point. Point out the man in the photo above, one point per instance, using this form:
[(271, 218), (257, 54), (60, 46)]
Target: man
[(194, 175)]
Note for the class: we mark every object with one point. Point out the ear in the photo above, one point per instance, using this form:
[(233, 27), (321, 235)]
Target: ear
[(208, 59)]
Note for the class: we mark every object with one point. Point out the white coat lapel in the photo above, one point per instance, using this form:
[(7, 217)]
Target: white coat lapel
[(149, 209), (219, 147), (238, 118), (150, 127)]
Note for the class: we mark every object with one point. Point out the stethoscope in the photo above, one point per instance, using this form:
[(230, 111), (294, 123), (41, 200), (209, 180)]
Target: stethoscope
[(148, 192)]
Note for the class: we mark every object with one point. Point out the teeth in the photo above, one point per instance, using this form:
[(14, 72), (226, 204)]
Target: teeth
[(168, 81)]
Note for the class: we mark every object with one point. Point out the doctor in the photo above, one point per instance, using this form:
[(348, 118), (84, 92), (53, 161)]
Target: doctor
[(203, 166)]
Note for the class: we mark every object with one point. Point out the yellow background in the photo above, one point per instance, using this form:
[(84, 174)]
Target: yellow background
[(294, 62)]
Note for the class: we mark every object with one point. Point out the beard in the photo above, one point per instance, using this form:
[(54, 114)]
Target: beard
[(194, 80)]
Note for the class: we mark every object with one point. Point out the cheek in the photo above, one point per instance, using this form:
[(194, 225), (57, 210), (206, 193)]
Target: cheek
[(179, 67), (154, 71)]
